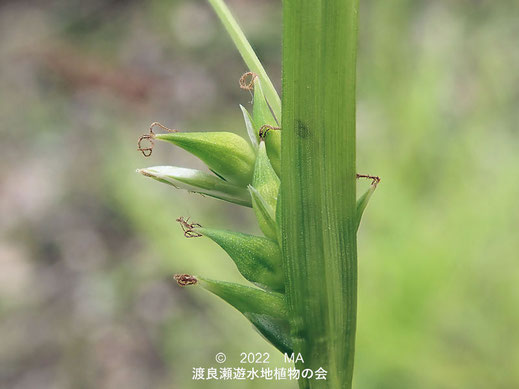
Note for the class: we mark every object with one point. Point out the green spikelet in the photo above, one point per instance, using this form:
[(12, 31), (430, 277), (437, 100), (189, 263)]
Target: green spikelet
[(245, 299), (267, 311), (257, 258), (248, 300), (227, 154)]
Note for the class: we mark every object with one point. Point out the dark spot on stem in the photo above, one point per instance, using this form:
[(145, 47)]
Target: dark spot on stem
[(302, 130)]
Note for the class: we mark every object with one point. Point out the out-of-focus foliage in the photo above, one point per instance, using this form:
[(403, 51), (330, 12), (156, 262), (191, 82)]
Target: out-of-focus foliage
[(88, 247)]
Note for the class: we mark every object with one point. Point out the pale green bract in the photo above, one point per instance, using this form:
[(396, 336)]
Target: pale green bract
[(198, 182)]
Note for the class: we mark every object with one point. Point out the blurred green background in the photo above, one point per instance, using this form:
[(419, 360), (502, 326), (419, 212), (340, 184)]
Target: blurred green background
[(88, 247)]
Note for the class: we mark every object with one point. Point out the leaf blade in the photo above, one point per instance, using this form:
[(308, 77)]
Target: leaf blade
[(247, 53)]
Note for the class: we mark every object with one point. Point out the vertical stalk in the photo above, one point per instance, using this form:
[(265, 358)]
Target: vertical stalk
[(318, 184)]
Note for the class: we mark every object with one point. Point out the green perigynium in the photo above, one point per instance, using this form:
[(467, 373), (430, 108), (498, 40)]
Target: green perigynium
[(248, 300), (257, 258), (226, 154), (248, 173)]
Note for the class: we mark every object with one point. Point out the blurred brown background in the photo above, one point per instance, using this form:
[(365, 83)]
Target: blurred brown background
[(88, 247)]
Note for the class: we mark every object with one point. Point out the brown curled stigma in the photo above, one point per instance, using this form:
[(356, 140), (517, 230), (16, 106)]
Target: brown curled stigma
[(188, 228), (185, 279), (147, 151), (266, 128), (374, 179), (243, 80)]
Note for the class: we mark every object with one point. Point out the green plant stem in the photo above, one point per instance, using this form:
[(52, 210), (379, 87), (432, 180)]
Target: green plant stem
[(247, 53), (318, 217)]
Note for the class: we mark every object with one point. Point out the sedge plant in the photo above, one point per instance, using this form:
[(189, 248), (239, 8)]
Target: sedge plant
[(297, 173)]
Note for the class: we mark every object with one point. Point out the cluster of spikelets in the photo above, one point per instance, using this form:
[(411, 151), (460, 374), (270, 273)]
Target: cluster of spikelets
[(245, 173)]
